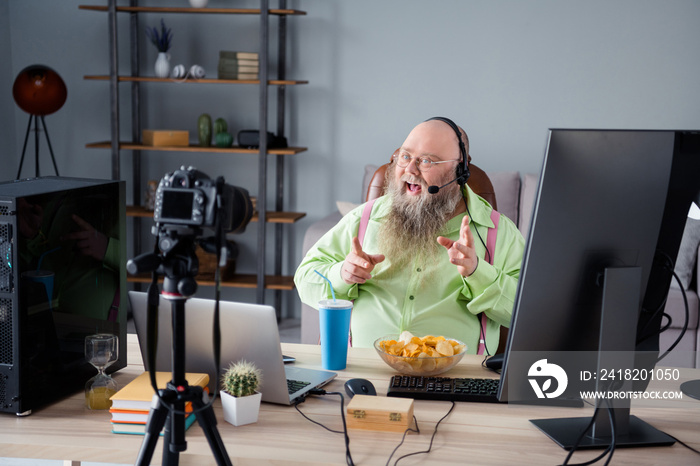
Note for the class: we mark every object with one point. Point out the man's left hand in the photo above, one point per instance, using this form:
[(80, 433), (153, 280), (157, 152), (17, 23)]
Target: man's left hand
[(88, 241), (462, 252)]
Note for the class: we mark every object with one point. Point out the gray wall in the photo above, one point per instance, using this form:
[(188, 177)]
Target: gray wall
[(504, 70)]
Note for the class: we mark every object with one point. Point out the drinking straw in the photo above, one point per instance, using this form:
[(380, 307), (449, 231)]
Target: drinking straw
[(41, 257), (329, 283)]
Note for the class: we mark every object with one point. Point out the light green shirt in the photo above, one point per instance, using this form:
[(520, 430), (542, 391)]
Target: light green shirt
[(425, 298)]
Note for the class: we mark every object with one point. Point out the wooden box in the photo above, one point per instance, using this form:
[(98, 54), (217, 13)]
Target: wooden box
[(165, 137), (379, 413)]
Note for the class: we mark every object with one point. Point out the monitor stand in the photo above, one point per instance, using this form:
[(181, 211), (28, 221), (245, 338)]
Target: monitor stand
[(618, 330), (691, 388)]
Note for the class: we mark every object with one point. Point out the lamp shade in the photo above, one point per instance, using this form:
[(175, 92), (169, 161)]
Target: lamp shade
[(39, 90)]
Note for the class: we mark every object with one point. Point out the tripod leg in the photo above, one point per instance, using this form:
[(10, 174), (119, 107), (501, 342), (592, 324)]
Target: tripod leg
[(156, 420), (36, 146), (48, 141), (207, 421), (24, 147)]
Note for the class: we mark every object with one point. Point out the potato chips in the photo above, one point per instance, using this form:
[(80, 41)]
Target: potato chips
[(428, 355)]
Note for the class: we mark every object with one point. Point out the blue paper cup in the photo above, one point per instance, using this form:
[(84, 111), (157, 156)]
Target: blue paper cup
[(334, 324)]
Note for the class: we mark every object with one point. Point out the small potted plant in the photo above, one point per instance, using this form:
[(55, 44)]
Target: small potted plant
[(240, 397), (162, 41)]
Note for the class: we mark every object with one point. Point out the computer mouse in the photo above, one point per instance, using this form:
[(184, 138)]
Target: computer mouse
[(359, 387), (495, 362)]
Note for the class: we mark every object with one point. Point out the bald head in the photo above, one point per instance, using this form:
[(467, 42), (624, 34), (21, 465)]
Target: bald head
[(436, 139)]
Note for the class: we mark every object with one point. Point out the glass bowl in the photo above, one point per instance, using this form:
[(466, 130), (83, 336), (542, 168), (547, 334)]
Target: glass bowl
[(422, 364)]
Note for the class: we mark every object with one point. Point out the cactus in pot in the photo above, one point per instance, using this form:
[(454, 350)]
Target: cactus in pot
[(241, 379)]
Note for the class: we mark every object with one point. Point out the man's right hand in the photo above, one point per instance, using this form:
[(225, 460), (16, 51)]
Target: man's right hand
[(358, 264)]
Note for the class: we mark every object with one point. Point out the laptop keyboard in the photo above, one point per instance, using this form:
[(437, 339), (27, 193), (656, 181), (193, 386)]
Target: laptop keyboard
[(295, 385)]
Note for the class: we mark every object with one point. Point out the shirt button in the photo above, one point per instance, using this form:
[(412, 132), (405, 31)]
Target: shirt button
[(418, 269), (411, 298)]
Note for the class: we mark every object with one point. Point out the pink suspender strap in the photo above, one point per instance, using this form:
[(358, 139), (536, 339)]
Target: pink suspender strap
[(490, 251), (364, 220)]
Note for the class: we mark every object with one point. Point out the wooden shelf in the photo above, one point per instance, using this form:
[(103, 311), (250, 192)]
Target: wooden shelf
[(153, 79), (272, 216), (272, 282), (193, 148), (219, 11)]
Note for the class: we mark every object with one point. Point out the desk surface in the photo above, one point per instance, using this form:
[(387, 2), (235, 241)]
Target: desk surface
[(474, 433)]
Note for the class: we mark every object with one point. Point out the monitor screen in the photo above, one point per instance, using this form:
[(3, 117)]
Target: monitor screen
[(608, 219)]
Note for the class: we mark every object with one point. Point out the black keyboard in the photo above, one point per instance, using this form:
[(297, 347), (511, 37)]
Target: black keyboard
[(444, 388), (294, 385)]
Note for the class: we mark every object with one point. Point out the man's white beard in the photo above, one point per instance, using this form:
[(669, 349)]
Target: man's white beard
[(414, 223)]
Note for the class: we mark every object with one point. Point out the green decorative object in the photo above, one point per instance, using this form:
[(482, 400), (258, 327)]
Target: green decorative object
[(204, 130), (241, 379), (223, 139), (220, 126)]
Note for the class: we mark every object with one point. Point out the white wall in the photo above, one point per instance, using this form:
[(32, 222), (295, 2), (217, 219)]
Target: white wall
[(504, 70)]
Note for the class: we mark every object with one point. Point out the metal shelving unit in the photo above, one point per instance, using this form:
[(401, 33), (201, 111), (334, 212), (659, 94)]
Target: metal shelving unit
[(277, 216)]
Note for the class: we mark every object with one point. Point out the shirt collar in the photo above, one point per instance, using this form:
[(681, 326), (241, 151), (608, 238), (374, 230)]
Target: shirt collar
[(479, 209)]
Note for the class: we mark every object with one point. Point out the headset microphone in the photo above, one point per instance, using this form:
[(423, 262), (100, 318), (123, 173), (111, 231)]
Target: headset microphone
[(434, 189)]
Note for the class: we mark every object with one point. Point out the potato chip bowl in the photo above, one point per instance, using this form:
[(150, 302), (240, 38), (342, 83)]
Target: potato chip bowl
[(421, 366)]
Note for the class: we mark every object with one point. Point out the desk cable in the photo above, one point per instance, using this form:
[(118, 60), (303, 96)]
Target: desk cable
[(318, 391), (348, 457), (417, 430), (610, 450)]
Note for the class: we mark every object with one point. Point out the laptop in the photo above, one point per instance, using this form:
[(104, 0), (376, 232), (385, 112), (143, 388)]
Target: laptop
[(248, 331)]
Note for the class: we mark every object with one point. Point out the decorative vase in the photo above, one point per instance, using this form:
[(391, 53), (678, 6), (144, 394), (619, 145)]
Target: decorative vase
[(240, 410), (162, 67), (204, 130)]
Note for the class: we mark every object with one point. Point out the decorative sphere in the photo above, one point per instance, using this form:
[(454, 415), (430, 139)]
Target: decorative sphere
[(39, 90)]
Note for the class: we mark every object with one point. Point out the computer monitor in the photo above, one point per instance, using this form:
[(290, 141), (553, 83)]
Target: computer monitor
[(607, 224)]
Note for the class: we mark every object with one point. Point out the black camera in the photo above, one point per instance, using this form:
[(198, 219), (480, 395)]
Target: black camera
[(188, 197)]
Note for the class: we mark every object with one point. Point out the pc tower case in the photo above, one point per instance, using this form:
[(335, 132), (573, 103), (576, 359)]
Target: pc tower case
[(62, 277)]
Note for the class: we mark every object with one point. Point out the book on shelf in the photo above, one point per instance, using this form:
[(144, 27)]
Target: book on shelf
[(238, 69), (138, 394), (139, 428), (234, 75), (238, 55), (235, 62)]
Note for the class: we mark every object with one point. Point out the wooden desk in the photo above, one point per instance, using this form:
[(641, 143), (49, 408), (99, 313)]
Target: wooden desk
[(474, 433)]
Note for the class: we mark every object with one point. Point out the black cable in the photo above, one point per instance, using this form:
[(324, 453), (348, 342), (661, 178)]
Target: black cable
[(609, 450), (319, 391), (416, 430), (430, 446), (669, 265), (300, 401), (684, 444), (685, 325)]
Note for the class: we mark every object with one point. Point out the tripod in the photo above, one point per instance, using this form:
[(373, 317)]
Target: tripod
[(168, 408), (36, 145)]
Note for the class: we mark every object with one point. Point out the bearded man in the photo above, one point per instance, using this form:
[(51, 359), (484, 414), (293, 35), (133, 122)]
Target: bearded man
[(419, 267)]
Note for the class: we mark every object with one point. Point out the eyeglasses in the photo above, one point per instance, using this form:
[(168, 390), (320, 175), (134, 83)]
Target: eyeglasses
[(423, 163)]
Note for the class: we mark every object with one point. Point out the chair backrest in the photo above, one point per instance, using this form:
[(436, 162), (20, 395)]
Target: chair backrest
[(479, 182)]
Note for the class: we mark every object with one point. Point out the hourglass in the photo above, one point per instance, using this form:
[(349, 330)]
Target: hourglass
[(101, 350)]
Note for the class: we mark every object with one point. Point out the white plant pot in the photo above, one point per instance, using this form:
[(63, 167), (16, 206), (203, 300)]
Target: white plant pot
[(198, 3), (162, 66), (240, 410)]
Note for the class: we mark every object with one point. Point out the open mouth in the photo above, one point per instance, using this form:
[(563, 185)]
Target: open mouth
[(413, 188)]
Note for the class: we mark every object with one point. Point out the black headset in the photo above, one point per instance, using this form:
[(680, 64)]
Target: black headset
[(463, 168)]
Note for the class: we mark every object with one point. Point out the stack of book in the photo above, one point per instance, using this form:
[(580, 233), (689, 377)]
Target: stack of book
[(131, 404), (238, 65)]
